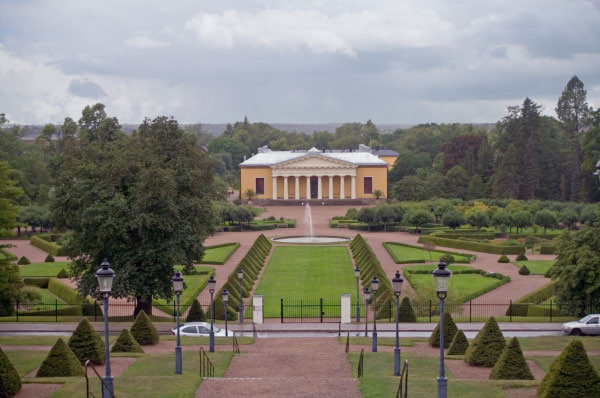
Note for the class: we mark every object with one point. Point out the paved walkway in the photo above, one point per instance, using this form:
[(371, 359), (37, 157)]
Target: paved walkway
[(286, 367)]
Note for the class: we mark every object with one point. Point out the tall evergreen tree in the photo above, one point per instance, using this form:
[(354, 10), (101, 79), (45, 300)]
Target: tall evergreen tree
[(507, 174), (572, 108)]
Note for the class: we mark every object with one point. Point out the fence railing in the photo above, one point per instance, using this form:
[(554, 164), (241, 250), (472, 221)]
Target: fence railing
[(206, 366), (403, 385), (361, 359), (310, 310), (236, 346), (103, 385)]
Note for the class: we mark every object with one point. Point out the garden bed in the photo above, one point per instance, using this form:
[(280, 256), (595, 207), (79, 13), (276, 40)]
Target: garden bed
[(408, 254), (219, 254)]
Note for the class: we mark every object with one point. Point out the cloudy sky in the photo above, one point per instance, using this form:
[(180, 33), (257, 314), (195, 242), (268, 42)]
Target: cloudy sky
[(297, 61)]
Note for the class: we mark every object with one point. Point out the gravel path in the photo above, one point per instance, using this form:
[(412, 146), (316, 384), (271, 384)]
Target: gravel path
[(289, 367)]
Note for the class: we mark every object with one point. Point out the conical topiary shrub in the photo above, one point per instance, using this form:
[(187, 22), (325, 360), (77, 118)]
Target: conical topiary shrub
[(522, 257), (524, 270), (86, 344), (62, 274), (49, 259), (220, 311), (143, 331), (196, 313), (459, 344), (511, 365), (487, 346), (503, 259), (23, 261), (406, 313), (126, 343), (10, 381), (571, 375), (60, 362), (450, 330)]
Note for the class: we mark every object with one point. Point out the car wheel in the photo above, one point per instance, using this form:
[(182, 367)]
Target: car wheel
[(576, 332)]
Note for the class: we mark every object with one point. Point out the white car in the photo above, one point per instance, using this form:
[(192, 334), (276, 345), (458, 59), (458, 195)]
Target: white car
[(198, 329), (589, 324)]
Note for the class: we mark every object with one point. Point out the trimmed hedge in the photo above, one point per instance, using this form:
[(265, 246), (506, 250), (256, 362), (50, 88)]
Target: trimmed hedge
[(511, 365), (196, 314), (72, 296), (126, 343), (524, 270), (406, 313), (42, 283), (49, 259), (62, 274), (7, 255), (398, 261), (503, 259), (86, 344), (520, 307), (60, 362), (143, 331), (487, 346), (521, 257), (459, 344), (236, 244), (473, 246), (10, 381), (47, 243), (23, 261), (450, 330), (547, 249)]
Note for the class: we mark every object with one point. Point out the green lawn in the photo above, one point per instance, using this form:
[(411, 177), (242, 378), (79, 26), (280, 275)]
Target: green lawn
[(26, 361), (405, 254), (431, 267), (194, 285), (544, 362), (219, 255), (306, 272), (461, 285), (43, 269), (536, 267), (558, 343)]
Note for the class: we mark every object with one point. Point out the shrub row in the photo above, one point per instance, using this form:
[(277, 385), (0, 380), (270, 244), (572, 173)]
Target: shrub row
[(547, 249), (47, 244), (42, 283), (7, 255), (236, 244), (398, 261), (474, 246), (453, 235), (365, 258), (252, 263), (72, 296), (521, 306)]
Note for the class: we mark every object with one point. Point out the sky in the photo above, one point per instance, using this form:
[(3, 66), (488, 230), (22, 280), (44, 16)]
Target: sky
[(297, 61)]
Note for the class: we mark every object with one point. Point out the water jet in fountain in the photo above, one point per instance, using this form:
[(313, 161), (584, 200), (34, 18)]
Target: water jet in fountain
[(310, 238)]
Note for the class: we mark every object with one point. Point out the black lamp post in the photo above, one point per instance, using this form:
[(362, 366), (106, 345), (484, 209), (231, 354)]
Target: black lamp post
[(225, 297), (211, 337), (374, 288), (240, 275), (105, 276), (597, 173), (178, 288), (442, 277), (397, 284), (367, 295), (357, 273)]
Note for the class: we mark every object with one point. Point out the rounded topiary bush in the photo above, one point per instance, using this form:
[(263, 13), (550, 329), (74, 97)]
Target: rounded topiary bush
[(524, 270), (459, 344), (196, 313), (126, 343), (406, 313), (62, 274), (487, 346), (511, 365), (522, 257), (448, 259), (503, 259), (450, 330), (49, 259), (23, 261), (86, 344), (10, 381), (143, 331), (60, 362), (571, 375)]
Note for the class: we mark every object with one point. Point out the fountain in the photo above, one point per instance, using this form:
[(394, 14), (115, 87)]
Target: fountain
[(309, 238)]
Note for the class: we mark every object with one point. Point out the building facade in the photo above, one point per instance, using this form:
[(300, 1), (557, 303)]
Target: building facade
[(314, 174)]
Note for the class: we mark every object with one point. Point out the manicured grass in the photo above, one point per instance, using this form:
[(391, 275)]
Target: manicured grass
[(406, 254), (558, 343), (219, 255), (461, 285), (156, 365), (382, 341), (431, 267), (43, 269), (306, 272), (194, 285), (26, 361), (40, 340), (544, 362), (536, 267)]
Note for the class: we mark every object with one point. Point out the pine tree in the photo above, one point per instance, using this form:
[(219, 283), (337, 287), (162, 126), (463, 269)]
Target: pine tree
[(572, 108), (126, 343), (507, 174), (60, 362), (196, 313), (10, 381), (459, 344), (86, 344), (487, 346), (450, 330), (406, 313), (144, 331), (511, 365)]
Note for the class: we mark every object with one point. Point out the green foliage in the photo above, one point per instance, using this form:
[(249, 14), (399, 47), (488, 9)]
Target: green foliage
[(10, 381), (49, 244), (10, 283), (196, 313), (511, 365), (453, 219), (487, 346), (503, 259), (447, 258), (126, 343), (521, 257), (420, 218), (459, 344), (351, 214), (546, 218), (60, 362), (450, 330), (86, 344), (474, 246), (72, 296), (49, 259), (143, 331), (547, 249), (62, 274), (406, 313), (479, 219), (571, 375), (524, 270), (23, 261), (9, 191)]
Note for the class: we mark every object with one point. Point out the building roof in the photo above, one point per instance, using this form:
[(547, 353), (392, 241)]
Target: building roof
[(385, 152), (270, 158)]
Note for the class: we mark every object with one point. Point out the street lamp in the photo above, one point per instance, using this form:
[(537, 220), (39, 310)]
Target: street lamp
[(178, 288), (374, 288), (105, 276), (225, 297), (441, 277), (597, 173), (211, 336), (397, 284), (357, 273), (240, 275), (367, 295)]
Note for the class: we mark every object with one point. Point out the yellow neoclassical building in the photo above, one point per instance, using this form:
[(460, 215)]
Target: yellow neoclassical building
[(314, 174)]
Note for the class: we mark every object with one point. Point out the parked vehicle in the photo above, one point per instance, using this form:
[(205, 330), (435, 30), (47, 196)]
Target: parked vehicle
[(589, 324), (199, 329)]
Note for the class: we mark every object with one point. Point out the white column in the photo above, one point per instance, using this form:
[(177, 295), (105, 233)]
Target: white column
[(345, 308), (320, 188), (330, 187), (342, 188), (353, 187), (307, 187), (297, 190), (285, 187), (257, 309), (275, 188)]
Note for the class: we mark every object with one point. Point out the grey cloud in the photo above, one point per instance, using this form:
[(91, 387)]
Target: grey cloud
[(86, 89)]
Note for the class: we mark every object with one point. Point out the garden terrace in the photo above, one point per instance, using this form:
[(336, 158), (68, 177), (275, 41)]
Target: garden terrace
[(194, 284), (403, 253), (43, 269), (536, 267), (219, 254), (49, 243), (473, 246)]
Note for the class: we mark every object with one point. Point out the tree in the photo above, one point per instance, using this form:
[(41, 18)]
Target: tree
[(511, 365), (378, 193), (386, 214), (520, 219), (506, 175), (420, 218), (546, 218), (143, 331), (568, 217), (458, 180), (87, 344), (8, 193), (450, 330), (572, 108), (366, 215), (249, 194), (589, 215), (487, 346), (479, 219), (453, 219), (229, 145), (10, 283), (476, 188), (139, 201), (60, 362), (10, 381)]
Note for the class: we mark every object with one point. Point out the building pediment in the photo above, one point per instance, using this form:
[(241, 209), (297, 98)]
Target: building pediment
[(313, 161)]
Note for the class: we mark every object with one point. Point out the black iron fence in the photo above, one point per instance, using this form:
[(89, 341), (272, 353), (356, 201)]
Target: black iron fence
[(310, 310)]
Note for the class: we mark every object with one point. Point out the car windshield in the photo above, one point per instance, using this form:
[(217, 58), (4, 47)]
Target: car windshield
[(585, 319), (216, 329)]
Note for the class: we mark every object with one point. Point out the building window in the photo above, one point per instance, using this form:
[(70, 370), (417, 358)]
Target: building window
[(260, 186), (368, 185)]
